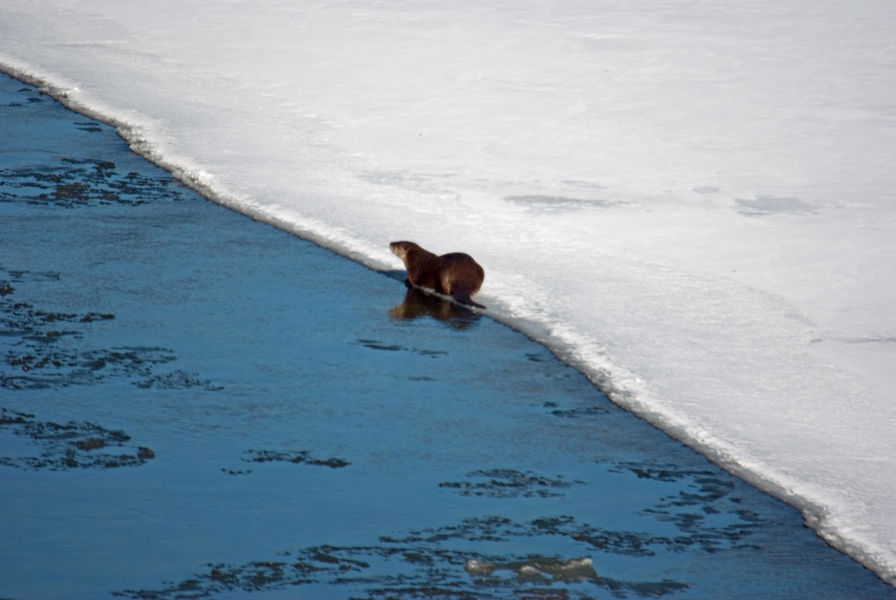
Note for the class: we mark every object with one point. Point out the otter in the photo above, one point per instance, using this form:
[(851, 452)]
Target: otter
[(455, 274)]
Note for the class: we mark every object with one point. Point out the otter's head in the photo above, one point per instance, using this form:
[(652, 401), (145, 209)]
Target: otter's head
[(401, 249)]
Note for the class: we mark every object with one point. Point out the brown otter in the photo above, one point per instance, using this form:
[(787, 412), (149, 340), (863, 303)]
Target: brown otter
[(455, 274)]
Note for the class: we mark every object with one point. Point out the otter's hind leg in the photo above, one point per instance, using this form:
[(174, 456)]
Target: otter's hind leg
[(464, 298)]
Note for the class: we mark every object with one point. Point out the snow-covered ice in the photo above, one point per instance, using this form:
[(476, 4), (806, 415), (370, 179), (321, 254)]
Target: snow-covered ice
[(691, 202)]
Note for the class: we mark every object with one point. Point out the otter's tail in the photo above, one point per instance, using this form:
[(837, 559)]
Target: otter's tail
[(464, 298)]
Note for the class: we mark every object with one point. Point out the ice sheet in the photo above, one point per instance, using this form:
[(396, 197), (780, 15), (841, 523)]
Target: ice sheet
[(693, 203)]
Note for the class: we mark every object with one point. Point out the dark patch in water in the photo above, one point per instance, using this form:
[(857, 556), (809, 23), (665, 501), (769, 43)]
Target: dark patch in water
[(702, 507), (236, 471), (52, 368), (74, 183), (177, 380), (694, 535), (509, 483), (432, 563), (500, 529), (90, 127), (44, 349), (299, 457), (433, 353), (378, 345), (421, 378), (573, 413), (72, 445)]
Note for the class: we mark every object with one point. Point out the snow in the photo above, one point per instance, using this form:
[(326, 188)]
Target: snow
[(691, 202)]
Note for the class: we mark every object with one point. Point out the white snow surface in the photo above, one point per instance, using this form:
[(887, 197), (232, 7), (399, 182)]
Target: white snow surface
[(693, 202)]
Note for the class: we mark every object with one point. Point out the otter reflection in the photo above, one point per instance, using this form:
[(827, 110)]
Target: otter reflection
[(418, 303)]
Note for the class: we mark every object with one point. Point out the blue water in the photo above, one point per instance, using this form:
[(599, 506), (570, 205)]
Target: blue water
[(197, 405)]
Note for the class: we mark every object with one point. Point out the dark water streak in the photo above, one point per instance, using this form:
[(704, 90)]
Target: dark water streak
[(195, 405)]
